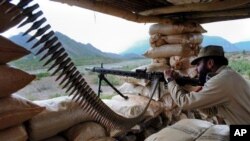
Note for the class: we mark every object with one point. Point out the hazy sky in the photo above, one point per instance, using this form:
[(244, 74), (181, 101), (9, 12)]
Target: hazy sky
[(112, 34)]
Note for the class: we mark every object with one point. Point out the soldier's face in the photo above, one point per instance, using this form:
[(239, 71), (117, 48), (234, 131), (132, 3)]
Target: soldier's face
[(203, 70)]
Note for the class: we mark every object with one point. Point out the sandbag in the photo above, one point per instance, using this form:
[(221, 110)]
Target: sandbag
[(131, 88), (147, 91), (56, 138), (133, 106), (173, 29), (12, 80), (6, 18), (135, 81), (61, 113), (183, 130), (190, 38), (156, 41), (10, 51), (15, 110), (216, 133), (85, 131), (157, 67), (161, 60), (165, 51), (180, 2), (180, 63), (17, 133), (102, 139)]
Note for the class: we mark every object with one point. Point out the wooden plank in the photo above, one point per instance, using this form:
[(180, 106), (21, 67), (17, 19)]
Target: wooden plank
[(212, 6), (102, 7), (216, 19), (218, 14)]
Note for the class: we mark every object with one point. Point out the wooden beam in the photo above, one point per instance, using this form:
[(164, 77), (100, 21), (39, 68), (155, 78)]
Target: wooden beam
[(212, 6), (226, 13), (216, 19), (102, 7)]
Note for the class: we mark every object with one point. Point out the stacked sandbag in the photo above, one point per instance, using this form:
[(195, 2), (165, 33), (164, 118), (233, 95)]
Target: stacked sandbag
[(192, 130), (133, 106), (179, 44), (17, 133), (63, 119), (12, 79), (9, 51), (60, 114), (15, 110), (172, 46), (7, 19), (86, 131), (56, 138)]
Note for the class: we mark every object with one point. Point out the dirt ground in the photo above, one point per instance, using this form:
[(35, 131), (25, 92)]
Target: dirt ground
[(47, 88)]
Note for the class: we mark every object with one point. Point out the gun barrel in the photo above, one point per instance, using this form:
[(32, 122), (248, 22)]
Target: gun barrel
[(142, 74), (136, 74)]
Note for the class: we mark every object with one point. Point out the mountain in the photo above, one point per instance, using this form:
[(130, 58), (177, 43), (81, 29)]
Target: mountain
[(138, 48), (73, 48), (245, 45), (216, 40), (142, 46), (79, 50), (81, 54)]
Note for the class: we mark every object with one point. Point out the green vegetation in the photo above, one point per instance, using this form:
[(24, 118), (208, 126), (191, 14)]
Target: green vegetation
[(114, 80), (94, 60), (131, 67), (41, 75), (28, 64), (56, 95), (34, 64), (242, 66), (106, 96), (31, 97), (135, 64)]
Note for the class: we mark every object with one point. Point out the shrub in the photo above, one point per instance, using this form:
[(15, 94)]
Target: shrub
[(242, 66)]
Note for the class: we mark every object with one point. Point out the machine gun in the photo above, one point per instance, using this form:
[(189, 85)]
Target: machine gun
[(139, 74)]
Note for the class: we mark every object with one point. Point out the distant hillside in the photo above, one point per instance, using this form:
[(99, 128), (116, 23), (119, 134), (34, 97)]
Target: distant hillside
[(243, 45), (74, 48), (216, 40), (138, 48), (79, 50), (142, 46), (82, 54)]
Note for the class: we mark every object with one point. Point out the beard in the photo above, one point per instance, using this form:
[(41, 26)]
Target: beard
[(203, 75)]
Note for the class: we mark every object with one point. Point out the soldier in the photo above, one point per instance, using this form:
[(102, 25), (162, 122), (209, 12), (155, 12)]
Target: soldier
[(226, 94)]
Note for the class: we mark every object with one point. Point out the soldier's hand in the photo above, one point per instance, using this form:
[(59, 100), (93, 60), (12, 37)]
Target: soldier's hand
[(169, 75)]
